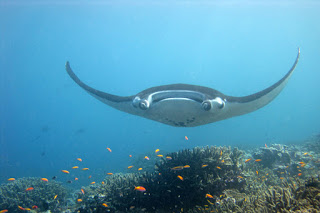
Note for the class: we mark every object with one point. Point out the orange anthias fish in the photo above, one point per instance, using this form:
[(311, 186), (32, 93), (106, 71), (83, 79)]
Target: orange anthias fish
[(84, 169), (55, 197), (177, 168), (34, 207), (140, 188), (240, 177), (4, 210), (109, 173), (130, 156), (109, 149), (92, 182), (44, 179), (186, 167), (246, 161), (169, 158), (204, 165), (299, 174), (11, 179), (265, 145), (209, 196), (129, 167), (79, 200), (180, 177), (76, 178), (139, 169), (146, 157), (21, 208), (301, 163), (221, 153), (104, 205), (79, 159), (185, 137), (75, 167), (160, 156), (218, 167), (65, 171), (30, 189), (82, 191), (157, 150), (258, 160), (211, 204), (257, 172)]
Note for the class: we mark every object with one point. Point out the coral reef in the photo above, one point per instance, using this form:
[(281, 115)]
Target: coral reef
[(201, 171), (272, 181), (274, 156), (296, 196), (290, 160), (42, 195), (275, 178)]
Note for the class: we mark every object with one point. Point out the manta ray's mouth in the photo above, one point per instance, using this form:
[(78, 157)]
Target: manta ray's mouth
[(177, 94), (187, 96)]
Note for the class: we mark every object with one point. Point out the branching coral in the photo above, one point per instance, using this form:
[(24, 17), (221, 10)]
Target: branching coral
[(292, 196)]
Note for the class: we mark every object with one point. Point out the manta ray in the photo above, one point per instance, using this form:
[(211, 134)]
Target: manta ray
[(185, 105)]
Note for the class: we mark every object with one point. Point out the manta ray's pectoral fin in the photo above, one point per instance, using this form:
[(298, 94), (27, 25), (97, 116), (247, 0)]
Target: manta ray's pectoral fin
[(246, 104), (118, 102)]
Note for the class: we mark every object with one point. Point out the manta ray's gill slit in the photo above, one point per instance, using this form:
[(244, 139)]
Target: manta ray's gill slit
[(180, 123)]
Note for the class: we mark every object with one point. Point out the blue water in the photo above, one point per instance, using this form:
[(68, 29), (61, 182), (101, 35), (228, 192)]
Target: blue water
[(123, 47)]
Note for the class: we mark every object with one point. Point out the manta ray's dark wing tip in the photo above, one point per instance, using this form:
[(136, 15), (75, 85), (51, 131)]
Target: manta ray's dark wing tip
[(298, 56), (294, 65), (67, 65), (72, 74)]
